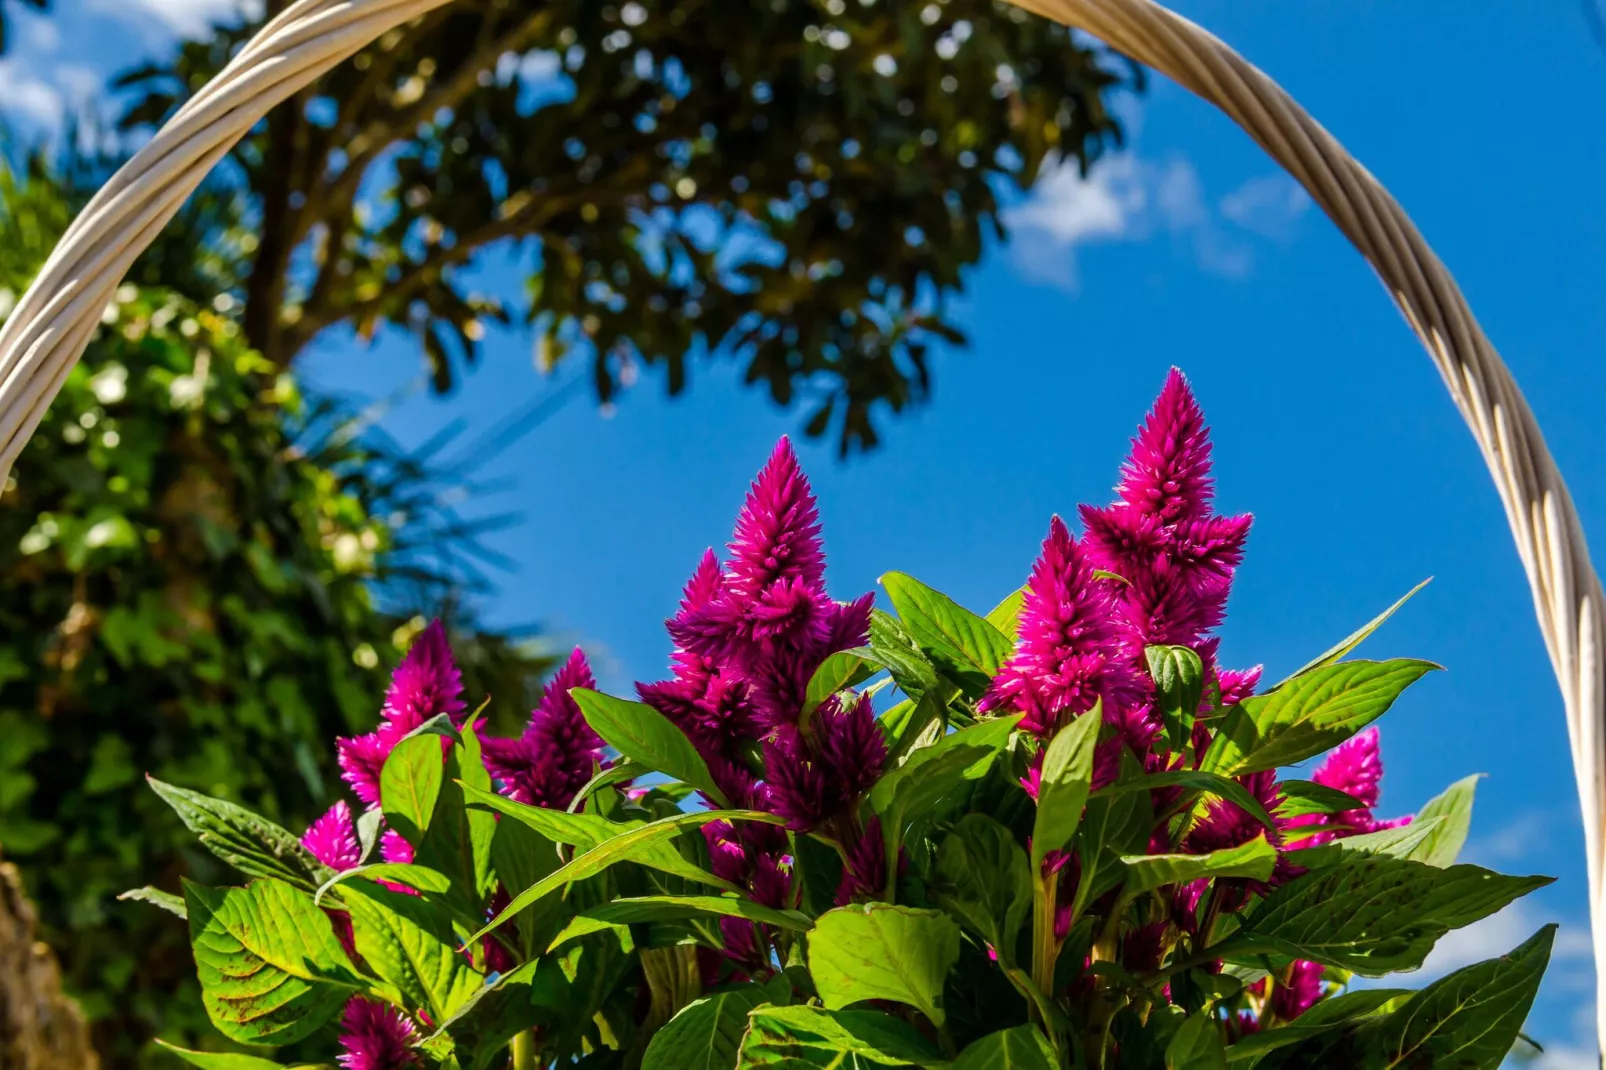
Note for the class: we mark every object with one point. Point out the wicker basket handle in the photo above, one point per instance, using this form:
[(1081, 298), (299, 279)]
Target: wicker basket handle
[(52, 323)]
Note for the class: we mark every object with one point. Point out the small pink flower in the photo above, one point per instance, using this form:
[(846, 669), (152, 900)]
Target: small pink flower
[(375, 1036), (332, 839)]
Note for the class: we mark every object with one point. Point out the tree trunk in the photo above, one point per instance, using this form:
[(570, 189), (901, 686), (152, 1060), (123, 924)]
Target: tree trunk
[(40, 1028)]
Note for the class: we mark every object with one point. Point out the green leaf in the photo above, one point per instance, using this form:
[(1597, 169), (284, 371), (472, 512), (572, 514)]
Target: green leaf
[(410, 785), (1197, 1045), (458, 840), (1178, 675), (964, 646), (585, 832), (1115, 825), (223, 1060), (1253, 861), (1066, 780), (1360, 636), (1471, 1018), (916, 789), (644, 735), (844, 669), (1326, 1015), (632, 845), (156, 898), (271, 970), (984, 879), (253, 845), (1455, 807), (421, 878), (791, 1038), (909, 722), (637, 909), (895, 648), (1005, 616), (617, 773), (876, 951), (1196, 781), (1308, 715), (1402, 842), (1021, 1048), (1302, 797), (706, 1034), (409, 943), (1371, 914)]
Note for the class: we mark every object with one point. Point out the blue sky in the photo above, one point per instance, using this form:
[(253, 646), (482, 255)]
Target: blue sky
[(1331, 426)]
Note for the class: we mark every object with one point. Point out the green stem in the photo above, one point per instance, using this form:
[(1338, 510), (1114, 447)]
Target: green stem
[(1045, 947), (524, 1050)]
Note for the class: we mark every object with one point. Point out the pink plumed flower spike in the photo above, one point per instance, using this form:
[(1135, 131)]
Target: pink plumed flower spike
[(1168, 473), (332, 839), (553, 758), (778, 530), (1354, 767), (426, 684), (1069, 656), (362, 759), (375, 1036)]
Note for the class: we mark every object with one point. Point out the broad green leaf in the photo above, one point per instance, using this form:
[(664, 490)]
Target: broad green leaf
[(1371, 914), (585, 832), (1115, 825), (877, 951), (790, 1038), (916, 789), (409, 943), (458, 841), (253, 845), (1178, 676), (984, 879), (227, 1060), (480, 1029), (1197, 1045), (617, 773), (644, 735), (1196, 781), (632, 845), (1302, 797), (707, 1034), (1471, 1018), (271, 970), (895, 648), (521, 856), (1021, 1048), (1402, 842), (630, 911), (1328, 1014), (410, 785), (1455, 807), (1308, 715), (1066, 780), (844, 669), (963, 645), (1005, 616), (1360, 636), (420, 878), (1253, 861), (156, 898), (909, 722)]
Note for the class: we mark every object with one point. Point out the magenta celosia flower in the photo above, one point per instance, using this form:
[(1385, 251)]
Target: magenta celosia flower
[(375, 1036), (393, 847), (426, 684), (864, 873), (1298, 992), (1068, 657), (800, 787), (332, 839), (850, 743), (1354, 767), (1161, 536), (555, 755), (1225, 825)]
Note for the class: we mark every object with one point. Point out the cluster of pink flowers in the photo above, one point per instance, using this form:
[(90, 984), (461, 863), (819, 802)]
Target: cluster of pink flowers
[(1154, 568)]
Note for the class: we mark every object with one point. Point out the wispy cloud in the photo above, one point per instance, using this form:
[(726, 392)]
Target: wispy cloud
[(176, 17), (1128, 198), (28, 97)]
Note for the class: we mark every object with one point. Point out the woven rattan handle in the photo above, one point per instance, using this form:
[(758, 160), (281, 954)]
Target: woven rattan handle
[(51, 325)]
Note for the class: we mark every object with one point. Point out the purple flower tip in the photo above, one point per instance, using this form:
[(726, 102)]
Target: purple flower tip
[(1355, 767), (426, 683), (362, 759), (864, 874), (778, 530), (1168, 473), (1298, 992), (332, 839), (554, 756), (375, 1037)]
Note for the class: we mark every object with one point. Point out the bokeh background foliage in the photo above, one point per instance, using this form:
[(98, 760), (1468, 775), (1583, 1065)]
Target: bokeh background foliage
[(203, 576)]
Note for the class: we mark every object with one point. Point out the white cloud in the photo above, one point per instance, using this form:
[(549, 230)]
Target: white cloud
[(1498, 934), (1270, 206), (28, 97), (1125, 198), (40, 37), (1560, 1057), (181, 17), (1525, 836)]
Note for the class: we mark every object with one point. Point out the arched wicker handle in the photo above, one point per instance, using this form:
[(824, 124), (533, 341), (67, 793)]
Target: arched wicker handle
[(51, 325)]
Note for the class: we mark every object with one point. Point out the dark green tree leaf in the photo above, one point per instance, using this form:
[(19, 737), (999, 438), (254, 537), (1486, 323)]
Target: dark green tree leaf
[(983, 878)]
